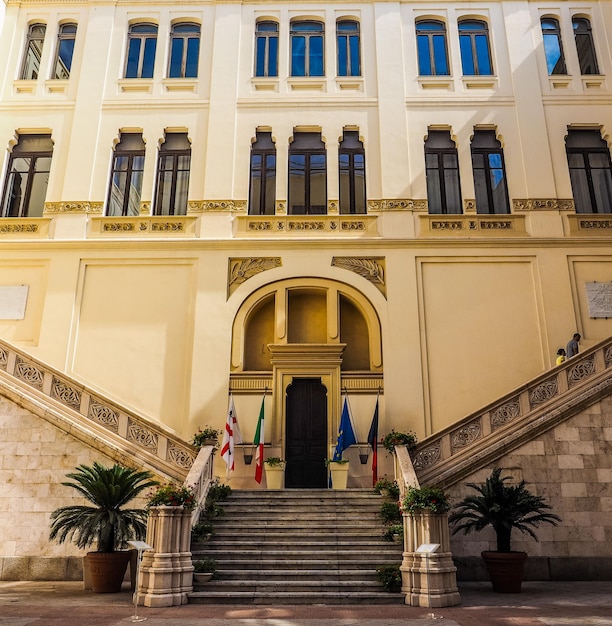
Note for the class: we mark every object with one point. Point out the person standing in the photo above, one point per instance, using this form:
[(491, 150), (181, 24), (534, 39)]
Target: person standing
[(560, 356), (572, 346)]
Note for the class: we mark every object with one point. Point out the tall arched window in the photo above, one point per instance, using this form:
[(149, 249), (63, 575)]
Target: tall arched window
[(347, 42), (184, 51), (65, 49), (442, 173), (30, 67), (142, 41), (173, 175), (126, 176), (553, 48), (262, 189), (351, 162), (475, 49), (489, 173), (307, 175), (585, 46), (266, 49), (431, 48), (307, 57)]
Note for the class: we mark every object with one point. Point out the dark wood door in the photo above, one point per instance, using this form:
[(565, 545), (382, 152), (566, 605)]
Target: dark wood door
[(306, 434)]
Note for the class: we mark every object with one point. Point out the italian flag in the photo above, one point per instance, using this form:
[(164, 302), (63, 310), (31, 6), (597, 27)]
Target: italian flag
[(259, 443)]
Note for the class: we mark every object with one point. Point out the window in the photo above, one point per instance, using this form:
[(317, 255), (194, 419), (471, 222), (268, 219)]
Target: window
[(590, 170), (489, 173), (442, 173), (173, 175), (266, 49), (262, 192), (142, 41), (126, 176), (307, 49), (351, 159), (184, 51), (33, 52), (585, 46), (551, 34), (431, 48), (65, 50), (347, 40), (474, 46), (307, 175), (27, 177)]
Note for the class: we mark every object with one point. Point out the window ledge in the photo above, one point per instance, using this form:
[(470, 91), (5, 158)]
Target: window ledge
[(56, 86), (144, 85), (480, 82), (24, 86), (436, 82), (593, 82), (180, 84), (349, 83), (310, 83), (560, 81), (265, 83)]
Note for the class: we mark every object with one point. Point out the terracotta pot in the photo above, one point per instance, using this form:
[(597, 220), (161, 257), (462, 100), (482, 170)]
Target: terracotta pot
[(505, 570), (107, 570)]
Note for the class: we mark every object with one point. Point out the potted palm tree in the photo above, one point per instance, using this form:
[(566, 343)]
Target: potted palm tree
[(107, 523), (503, 507)]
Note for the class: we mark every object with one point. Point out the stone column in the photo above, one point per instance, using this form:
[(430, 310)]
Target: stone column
[(166, 572), (428, 579)]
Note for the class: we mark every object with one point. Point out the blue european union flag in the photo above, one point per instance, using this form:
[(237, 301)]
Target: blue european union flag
[(346, 434)]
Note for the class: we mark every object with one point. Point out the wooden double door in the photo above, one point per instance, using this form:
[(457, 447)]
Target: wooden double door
[(306, 434)]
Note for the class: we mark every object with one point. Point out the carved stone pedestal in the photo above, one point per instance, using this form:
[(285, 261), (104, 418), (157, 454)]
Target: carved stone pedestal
[(428, 579), (166, 572)]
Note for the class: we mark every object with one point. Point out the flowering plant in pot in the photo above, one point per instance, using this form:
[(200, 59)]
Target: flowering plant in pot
[(206, 436), (420, 499), (395, 438), (388, 488), (504, 508), (107, 523), (170, 494)]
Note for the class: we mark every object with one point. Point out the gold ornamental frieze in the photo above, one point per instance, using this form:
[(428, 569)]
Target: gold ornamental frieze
[(241, 269), (461, 225), (370, 268), (307, 225), (32, 228), (84, 206), (143, 226), (543, 204), (398, 204), (228, 206)]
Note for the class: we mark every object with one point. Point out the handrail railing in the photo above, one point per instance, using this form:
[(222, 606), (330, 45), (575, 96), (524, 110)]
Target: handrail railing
[(447, 456), (404, 470), (200, 479)]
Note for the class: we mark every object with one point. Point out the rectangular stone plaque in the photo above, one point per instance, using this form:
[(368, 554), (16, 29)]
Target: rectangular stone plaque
[(599, 298), (13, 302)]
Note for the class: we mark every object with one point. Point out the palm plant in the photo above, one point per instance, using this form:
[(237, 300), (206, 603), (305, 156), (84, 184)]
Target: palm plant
[(504, 507), (105, 523)]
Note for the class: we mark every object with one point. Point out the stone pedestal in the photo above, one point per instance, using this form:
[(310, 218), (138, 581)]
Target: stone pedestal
[(428, 579), (166, 572)]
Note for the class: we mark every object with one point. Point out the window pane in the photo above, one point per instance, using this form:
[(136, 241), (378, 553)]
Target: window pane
[(342, 56), (580, 191), (273, 56), (360, 190), (255, 194), (176, 58), (270, 182), (116, 198), (354, 55), (64, 59), (439, 48), (452, 191), (297, 184), (423, 54), (467, 59), (32, 63), (316, 56), (148, 60), (554, 58), (602, 186), (193, 50), (131, 70), (482, 53), (182, 184), (480, 188), (434, 193), (164, 198), (298, 60), (260, 56)]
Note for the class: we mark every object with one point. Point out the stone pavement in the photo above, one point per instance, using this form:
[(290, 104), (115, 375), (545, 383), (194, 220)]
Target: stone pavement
[(540, 604)]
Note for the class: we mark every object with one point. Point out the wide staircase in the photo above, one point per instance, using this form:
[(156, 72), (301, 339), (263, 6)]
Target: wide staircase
[(298, 547)]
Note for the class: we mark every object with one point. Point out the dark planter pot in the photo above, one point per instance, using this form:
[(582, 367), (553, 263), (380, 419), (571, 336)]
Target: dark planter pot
[(505, 570), (107, 570)]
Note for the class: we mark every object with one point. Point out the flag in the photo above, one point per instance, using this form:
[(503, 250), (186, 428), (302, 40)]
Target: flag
[(231, 436), (258, 441), (373, 441), (346, 433)]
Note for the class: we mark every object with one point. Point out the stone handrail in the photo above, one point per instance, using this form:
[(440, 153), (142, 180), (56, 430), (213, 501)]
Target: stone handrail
[(482, 437), (200, 478), (90, 417), (404, 470)]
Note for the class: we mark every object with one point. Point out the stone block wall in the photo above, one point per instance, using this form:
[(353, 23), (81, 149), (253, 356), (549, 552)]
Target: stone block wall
[(571, 466)]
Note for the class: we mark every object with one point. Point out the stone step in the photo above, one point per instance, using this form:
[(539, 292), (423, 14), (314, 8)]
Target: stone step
[(301, 564), (295, 597), (300, 574)]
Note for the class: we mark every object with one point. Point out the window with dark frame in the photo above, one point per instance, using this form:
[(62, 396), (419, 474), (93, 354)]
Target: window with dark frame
[(585, 47), (142, 42), (184, 50), (442, 173), (553, 47), (351, 165), (431, 48), (590, 169), (172, 180), (27, 177), (35, 40), (307, 49), (475, 48), (489, 173), (266, 49), (307, 175), (126, 176), (348, 48), (66, 37), (262, 188)]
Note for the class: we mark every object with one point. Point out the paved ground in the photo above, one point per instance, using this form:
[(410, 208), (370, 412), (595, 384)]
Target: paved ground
[(540, 604)]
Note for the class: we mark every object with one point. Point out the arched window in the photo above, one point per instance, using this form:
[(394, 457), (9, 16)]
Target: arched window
[(307, 175), (266, 49), (173, 175), (351, 161), (431, 48), (442, 173), (27, 177), (33, 52), (585, 46), (588, 158), (307, 57), (553, 48), (142, 41), (489, 173), (262, 191), (184, 51), (347, 41), (65, 49), (474, 46), (126, 176)]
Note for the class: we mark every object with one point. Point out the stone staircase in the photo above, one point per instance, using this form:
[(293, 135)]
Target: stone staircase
[(298, 547)]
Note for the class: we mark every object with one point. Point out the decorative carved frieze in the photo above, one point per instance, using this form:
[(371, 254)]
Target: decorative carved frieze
[(104, 415), (397, 205), (343, 225), (65, 393), (142, 436), (370, 268), (447, 225), (543, 392), (427, 457), (496, 225), (179, 456), (466, 435), (3, 359), (240, 270), (469, 206), (29, 373), (305, 225), (174, 227), (505, 413), (457, 225), (546, 204), (73, 207), (608, 356), (594, 224), (580, 371), (18, 227), (114, 227), (202, 206), (145, 225)]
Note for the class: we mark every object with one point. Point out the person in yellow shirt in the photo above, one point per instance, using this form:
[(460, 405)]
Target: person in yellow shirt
[(560, 356)]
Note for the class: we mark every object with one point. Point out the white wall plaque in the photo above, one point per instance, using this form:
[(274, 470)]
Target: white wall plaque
[(599, 298), (13, 302)]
